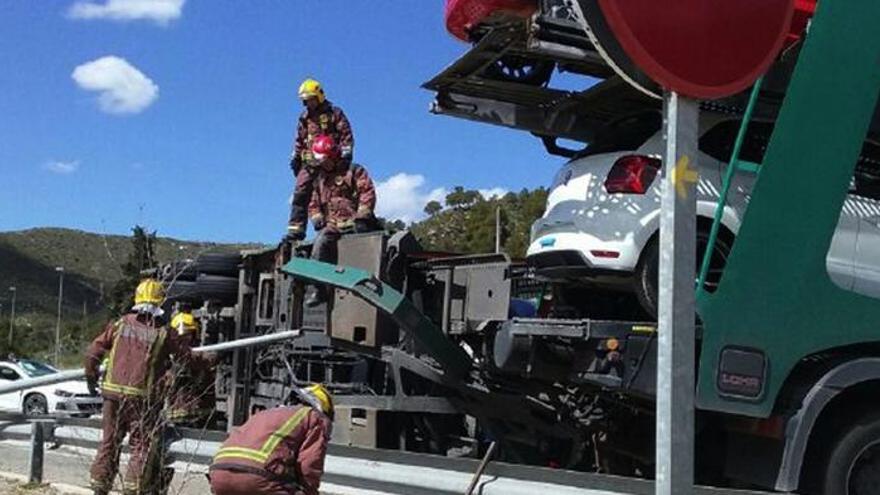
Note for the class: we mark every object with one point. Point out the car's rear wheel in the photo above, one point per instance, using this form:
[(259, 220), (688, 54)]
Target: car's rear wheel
[(35, 405), (648, 267)]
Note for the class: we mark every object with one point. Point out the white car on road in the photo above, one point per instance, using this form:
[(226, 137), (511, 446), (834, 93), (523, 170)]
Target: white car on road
[(70, 397), (600, 227)]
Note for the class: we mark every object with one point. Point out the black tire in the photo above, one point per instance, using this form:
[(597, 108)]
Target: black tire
[(182, 290), (35, 405), (852, 465), (218, 264), (521, 70), (206, 287), (648, 267), (179, 271), (646, 278), (216, 287)]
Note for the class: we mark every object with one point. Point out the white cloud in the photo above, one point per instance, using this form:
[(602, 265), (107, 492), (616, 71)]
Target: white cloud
[(495, 191), (404, 196), (62, 167), (121, 87), (161, 12)]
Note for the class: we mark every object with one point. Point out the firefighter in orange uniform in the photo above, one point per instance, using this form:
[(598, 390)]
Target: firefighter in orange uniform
[(138, 349), (320, 117), (277, 451), (191, 402), (343, 202)]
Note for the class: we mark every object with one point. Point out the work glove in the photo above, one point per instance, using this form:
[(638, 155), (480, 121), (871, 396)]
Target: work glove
[(363, 225), (92, 385)]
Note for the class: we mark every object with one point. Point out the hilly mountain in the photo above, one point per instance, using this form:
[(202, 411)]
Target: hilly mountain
[(91, 262)]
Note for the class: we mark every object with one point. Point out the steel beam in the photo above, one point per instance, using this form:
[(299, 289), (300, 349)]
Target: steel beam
[(676, 302), (79, 374)]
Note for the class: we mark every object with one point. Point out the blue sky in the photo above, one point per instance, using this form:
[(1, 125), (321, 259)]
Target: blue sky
[(195, 141)]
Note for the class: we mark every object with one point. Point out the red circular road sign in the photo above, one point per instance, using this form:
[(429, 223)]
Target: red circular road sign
[(700, 48)]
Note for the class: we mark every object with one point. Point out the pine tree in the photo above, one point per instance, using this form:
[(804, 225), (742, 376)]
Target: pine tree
[(142, 257)]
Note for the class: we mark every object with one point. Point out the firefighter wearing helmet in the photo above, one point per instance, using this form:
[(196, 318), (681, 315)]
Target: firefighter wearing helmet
[(190, 398), (320, 117), (277, 451), (342, 202), (191, 401), (138, 349)]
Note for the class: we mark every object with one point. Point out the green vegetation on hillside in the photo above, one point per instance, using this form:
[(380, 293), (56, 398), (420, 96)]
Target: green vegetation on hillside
[(100, 271), (94, 265), (467, 223)]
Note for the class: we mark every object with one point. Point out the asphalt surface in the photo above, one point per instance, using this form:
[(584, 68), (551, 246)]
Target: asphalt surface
[(69, 467)]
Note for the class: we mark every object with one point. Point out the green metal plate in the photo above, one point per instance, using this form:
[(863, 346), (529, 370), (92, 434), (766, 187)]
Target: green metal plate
[(452, 358), (776, 294)]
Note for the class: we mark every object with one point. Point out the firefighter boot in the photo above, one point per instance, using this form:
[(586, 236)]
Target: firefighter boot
[(315, 297)]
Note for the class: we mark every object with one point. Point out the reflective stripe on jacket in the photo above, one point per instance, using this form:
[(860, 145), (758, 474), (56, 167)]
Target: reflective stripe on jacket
[(287, 442), (138, 355)]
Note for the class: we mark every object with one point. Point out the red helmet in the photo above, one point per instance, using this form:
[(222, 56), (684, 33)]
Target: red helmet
[(324, 146)]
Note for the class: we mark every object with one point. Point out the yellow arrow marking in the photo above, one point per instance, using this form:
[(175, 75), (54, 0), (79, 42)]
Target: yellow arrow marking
[(682, 175)]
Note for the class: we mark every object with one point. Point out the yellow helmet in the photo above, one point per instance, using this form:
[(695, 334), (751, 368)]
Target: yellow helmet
[(184, 323), (311, 88), (149, 291), (322, 397)]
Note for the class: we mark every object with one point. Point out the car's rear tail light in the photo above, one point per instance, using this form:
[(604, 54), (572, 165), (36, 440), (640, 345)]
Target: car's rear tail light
[(632, 174)]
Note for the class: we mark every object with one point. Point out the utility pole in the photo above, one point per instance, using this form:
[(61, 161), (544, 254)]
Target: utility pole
[(60, 270), (497, 229), (12, 314)]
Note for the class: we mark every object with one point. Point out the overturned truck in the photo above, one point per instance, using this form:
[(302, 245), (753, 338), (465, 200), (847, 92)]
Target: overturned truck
[(439, 353), (432, 352)]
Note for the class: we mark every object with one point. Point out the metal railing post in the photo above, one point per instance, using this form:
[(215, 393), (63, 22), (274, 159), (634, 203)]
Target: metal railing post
[(35, 464)]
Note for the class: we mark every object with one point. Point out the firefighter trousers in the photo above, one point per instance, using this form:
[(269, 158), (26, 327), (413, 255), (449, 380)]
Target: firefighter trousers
[(302, 193), (224, 482), (137, 418)]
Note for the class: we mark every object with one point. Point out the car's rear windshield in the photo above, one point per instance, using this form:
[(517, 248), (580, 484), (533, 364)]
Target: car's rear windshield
[(35, 369), (625, 134)]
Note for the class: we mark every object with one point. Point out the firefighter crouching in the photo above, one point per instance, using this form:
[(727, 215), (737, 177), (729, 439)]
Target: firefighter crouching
[(277, 451), (342, 202), (137, 348)]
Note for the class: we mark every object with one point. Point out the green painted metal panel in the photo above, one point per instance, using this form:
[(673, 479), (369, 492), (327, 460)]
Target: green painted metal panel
[(452, 358), (776, 294)]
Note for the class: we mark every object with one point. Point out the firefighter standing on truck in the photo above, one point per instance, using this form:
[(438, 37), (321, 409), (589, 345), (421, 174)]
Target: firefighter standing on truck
[(342, 202), (320, 117), (277, 451), (138, 348)]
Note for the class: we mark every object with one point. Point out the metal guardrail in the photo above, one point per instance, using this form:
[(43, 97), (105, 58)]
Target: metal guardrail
[(79, 374), (383, 471)]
